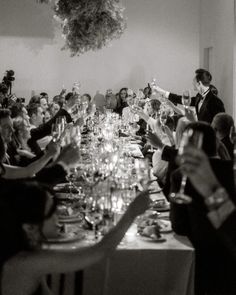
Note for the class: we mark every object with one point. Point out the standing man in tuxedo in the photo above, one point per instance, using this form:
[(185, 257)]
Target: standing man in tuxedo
[(206, 103)]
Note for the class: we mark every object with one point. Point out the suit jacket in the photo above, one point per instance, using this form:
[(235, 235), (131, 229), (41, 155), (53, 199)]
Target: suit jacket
[(52, 175), (215, 268), (229, 146), (169, 154), (45, 130), (211, 105)]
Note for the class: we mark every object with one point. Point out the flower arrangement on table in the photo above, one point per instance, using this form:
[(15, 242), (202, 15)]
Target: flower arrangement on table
[(89, 24)]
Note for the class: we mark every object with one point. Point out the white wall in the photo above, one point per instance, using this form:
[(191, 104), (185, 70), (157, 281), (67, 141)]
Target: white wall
[(162, 40), (217, 31)]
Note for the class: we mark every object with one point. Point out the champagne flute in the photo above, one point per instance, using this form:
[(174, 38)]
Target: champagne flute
[(55, 132), (142, 169), (186, 99), (163, 118), (76, 87), (195, 138)]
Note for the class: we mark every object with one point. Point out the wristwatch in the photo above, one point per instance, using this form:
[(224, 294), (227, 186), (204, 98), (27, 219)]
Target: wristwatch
[(216, 199)]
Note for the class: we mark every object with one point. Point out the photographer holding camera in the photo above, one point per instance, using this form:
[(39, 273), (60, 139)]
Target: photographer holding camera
[(6, 96)]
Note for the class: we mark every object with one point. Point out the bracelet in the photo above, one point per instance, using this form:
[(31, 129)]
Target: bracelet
[(216, 199)]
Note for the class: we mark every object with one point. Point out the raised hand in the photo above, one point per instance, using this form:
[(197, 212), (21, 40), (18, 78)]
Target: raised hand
[(154, 140), (53, 149), (195, 164), (189, 114), (69, 156)]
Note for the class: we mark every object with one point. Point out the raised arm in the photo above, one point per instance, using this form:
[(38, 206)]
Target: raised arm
[(14, 172), (42, 262)]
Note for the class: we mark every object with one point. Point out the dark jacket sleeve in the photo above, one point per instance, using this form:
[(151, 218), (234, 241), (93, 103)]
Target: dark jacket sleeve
[(45, 130), (178, 213), (216, 106), (52, 175), (177, 99), (169, 153), (227, 232)]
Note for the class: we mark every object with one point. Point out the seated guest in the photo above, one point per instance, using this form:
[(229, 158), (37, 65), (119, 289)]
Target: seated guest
[(147, 91), (45, 129), (22, 135), (127, 113), (122, 103), (36, 115), (59, 100), (47, 116), (214, 272), (207, 105), (45, 96), (53, 174), (111, 101), (87, 106), (222, 124), (160, 166), (54, 108), (43, 104), (30, 209), (34, 99), (221, 211)]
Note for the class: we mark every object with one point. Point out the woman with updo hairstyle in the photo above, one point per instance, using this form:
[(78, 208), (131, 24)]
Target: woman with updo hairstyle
[(27, 220)]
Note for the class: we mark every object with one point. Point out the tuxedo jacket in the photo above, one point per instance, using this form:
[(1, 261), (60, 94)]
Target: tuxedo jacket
[(211, 105), (215, 268), (45, 130)]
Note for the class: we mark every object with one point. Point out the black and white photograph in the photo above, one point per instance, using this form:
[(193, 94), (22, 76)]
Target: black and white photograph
[(117, 147)]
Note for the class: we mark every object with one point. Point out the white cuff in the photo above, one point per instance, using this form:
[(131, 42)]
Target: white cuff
[(166, 94)]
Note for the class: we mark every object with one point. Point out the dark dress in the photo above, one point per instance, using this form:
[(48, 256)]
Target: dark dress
[(215, 268)]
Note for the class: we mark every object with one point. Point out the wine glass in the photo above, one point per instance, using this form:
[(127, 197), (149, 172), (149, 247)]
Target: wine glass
[(55, 132), (186, 99), (76, 87), (163, 118), (142, 169), (94, 216), (189, 137)]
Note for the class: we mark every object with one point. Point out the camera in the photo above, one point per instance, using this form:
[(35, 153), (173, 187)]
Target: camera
[(8, 79)]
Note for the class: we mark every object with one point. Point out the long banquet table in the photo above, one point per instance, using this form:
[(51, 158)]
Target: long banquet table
[(137, 267)]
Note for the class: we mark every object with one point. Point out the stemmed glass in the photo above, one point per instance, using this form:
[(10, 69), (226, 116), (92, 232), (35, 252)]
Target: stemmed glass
[(195, 138), (142, 169), (186, 99), (164, 106), (58, 128), (94, 216), (76, 87), (56, 132), (163, 118)]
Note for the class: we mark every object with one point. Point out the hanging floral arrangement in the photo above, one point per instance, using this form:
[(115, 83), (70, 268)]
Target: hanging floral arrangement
[(89, 24)]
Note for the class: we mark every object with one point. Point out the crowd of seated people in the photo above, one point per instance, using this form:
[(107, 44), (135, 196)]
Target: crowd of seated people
[(28, 152)]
